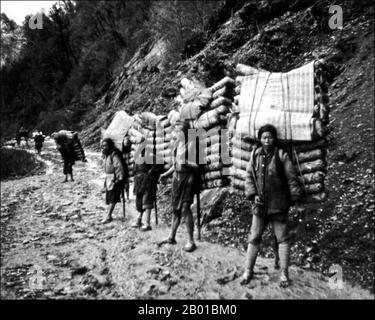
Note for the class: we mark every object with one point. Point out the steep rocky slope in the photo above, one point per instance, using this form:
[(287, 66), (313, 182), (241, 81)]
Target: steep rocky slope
[(279, 36)]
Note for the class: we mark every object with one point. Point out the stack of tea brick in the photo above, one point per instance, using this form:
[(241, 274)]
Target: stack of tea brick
[(214, 145), (310, 156), (240, 147), (142, 137), (164, 138)]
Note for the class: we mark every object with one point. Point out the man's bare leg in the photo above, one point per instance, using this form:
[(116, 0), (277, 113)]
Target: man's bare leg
[(284, 252), (276, 253), (110, 211), (138, 223), (251, 256), (176, 220), (190, 246), (147, 226)]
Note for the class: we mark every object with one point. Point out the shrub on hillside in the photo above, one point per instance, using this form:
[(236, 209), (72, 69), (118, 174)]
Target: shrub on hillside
[(18, 163)]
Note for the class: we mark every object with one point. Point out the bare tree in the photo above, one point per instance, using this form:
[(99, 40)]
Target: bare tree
[(177, 21)]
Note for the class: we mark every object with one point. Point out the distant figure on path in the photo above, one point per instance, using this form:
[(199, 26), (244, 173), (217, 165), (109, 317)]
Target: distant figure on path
[(22, 133), (38, 141), (67, 155)]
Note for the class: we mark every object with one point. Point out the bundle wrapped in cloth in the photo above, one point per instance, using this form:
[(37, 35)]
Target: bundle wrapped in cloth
[(142, 138), (296, 103), (164, 138), (310, 161), (214, 158), (173, 116), (118, 128), (127, 155), (151, 137), (214, 117), (321, 99), (214, 144), (136, 135), (194, 99), (148, 119), (69, 141), (240, 147)]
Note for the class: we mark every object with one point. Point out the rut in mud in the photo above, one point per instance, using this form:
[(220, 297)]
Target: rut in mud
[(54, 246)]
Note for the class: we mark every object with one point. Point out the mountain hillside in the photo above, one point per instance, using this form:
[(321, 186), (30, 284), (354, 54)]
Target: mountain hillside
[(277, 36), (280, 36)]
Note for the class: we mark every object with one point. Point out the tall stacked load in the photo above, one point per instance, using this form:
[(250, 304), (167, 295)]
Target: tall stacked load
[(310, 160), (142, 135), (149, 121), (194, 99), (117, 131), (153, 134), (240, 148), (163, 151), (127, 154), (136, 137), (296, 103), (241, 145), (215, 172), (164, 138), (69, 141)]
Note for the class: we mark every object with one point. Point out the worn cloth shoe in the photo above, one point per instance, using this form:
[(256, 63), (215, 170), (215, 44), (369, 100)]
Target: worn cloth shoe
[(107, 220), (137, 224), (246, 277), (284, 281), (190, 247), (146, 228), (276, 265), (167, 241)]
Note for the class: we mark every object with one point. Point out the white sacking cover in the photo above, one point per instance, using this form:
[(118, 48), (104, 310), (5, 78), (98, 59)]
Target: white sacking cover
[(118, 128), (290, 126), (285, 100)]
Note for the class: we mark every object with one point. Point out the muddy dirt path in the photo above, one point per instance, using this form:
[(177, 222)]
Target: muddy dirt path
[(53, 246)]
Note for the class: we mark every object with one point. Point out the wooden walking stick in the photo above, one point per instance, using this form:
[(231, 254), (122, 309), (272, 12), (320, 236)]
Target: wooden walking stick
[(156, 206), (156, 213), (123, 202), (199, 215)]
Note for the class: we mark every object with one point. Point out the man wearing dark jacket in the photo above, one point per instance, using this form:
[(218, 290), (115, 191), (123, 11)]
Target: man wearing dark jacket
[(272, 183)]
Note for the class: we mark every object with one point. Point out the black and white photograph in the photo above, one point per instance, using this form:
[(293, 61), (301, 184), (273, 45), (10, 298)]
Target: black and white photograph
[(206, 152)]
